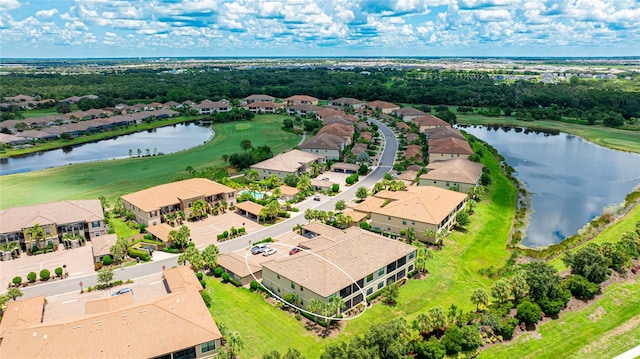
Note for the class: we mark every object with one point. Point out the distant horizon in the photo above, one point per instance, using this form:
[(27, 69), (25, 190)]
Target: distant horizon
[(318, 28)]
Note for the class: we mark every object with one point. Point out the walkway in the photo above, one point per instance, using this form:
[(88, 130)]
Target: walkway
[(304, 137)]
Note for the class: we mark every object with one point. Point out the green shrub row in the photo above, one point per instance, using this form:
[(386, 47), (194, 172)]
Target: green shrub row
[(137, 253), (171, 250), (266, 240)]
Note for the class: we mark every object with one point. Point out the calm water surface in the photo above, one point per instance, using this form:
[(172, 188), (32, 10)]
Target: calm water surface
[(160, 140), (572, 180)]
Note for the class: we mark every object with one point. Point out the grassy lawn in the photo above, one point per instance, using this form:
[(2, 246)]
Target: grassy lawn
[(610, 234), (114, 178), (261, 327), (600, 135), (122, 229), (603, 329)]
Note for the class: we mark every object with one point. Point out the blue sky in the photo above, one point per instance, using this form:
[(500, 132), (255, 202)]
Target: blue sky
[(117, 28)]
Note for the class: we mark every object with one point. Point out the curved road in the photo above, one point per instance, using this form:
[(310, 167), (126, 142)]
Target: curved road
[(327, 204)]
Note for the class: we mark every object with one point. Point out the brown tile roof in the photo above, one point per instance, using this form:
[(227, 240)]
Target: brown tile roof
[(381, 104), (345, 166), (359, 253), (288, 162), (205, 104), (101, 245), (288, 191), (412, 137), (263, 104), (136, 331), (260, 97), (171, 193), (358, 148), (160, 231), (430, 120), (369, 204), (321, 184), (236, 263), (181, 279), (108, 304), (408, 175), (327, 112), (408, 111), (250, 207), (414, 151), (22, 313), (336, 119), (325, 141), (402, 126), (305, 107), (423, 204), (442, 132), (337, 129), (301, 98), (347, 101), (17, 218), (357, 216), (457, 170), (449, 145)]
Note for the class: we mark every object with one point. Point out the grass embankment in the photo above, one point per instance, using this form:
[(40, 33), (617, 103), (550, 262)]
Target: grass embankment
[(50, 145), (114, 178), (600, 135), (611, 234), (452, 279), (603, 329)]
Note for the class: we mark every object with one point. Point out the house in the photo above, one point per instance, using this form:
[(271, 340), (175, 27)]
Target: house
[(79, 218), (207, 107), (382, 106), (288, 193), (359, 148), (101, 246), (302, 109), (320, 185), (413, 152), (13, 140), (421, 208), (427, 121), (407, 114), (249, 209), (151, 206), (442, 132), (258, 98), (327, 112), (338, 129), (19, 99), (263, 107), (171, 105), (347, 102), (116, 326), (327, 145), (353, 265), (459, 172), (300, 99), (240, 269), (344, 120), (293, 162), (403, 127), (153, 106), (345, 167), (448, 148), (32, 135)]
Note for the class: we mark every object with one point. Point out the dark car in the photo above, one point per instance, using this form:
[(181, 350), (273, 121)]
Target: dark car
[(294, 250)]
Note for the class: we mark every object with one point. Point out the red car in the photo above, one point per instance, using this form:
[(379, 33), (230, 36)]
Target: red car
[(294, 250)]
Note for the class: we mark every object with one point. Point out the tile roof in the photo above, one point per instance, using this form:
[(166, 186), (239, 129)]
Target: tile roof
[(328, 112), (457, 170), (357, 252), (160, 231), (338, 129), (181, 278), (449, 145), (22, 312), (101, 245), (301, 98), (442, 132), (325, 141), (430, 120), (288, 162), (17, 218), (171, 193), (347, 101), (250, 207), (236, 263), (263, 104), (408, 111), (288, 191), (414, 151), (381, 104), (322, 229), (260, 97)]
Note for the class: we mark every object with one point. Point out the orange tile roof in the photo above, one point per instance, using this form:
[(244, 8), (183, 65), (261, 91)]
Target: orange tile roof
[(423, 204), (450, 145)]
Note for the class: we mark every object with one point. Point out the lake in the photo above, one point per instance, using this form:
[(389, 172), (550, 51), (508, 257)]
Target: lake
[(571, 180), (163, 140)]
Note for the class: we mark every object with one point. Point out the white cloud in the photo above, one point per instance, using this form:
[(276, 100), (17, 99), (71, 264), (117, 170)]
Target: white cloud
[(9, 4), (46, 13)]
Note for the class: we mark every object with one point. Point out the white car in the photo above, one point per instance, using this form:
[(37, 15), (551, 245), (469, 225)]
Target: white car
[(269, 251), (259, 248)]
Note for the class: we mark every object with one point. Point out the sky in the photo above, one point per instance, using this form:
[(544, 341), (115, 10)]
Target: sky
[(256, 28)]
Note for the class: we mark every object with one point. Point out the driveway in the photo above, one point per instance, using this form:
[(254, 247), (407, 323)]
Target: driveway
[(205, 232)]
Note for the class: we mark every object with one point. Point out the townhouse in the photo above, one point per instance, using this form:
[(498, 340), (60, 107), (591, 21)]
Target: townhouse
[(382, 106), (446, 148), (456, 173), (407, 114), (258, 98), (347, 102), (293, 162), (207, 107), (300, 100)]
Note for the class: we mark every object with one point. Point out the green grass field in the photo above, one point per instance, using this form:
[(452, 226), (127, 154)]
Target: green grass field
[(114, 178), (603, 136), (603, 329)]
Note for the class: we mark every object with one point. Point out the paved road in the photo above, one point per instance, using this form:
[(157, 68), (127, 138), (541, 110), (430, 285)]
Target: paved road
[(327, 204)]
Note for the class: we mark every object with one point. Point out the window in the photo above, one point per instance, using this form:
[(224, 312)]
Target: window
[(413, 223), (293, 285), (402, 261), (189, 205), (302, 289), (369, 277), (96, 234), (278, 276), (381, 284), (411, 255), (404, 222), (400, 275), (391, 267), (389, 217), (447, 184), (208, 346), (369, 291), (381, 272), (47, 231), (95, 224), (411, 268), (189, 353)]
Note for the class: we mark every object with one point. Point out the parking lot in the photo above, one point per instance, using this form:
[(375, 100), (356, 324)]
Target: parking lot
[(204, 232), (335, 177)]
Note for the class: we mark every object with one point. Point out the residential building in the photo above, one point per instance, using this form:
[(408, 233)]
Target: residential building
[(382, 106), (448, 148), (427, 121), (80, 217), (353, 265), (302, 109), (288, 193), (459, 172), (263, 107), (421, 208), (347, 102), (300, 100), (101, 246), (413, 152), (328, 112), (345, 120), (258, 98), (151, 206), (239, 268), (293, 162), (338, 129), (118, 326), (442, 132), (403, 127), (207, 107), (407, 114), (327, 145)]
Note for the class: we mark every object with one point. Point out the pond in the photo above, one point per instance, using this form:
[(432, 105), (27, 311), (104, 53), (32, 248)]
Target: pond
[(156, 141), (571, 180)]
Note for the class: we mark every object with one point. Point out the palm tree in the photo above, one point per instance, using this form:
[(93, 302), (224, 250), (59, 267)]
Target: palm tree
[(379, 186), (35, 234), (429, 234), (422, 256), (234, 343), (438, 319), (315, 307), (336, 303), (411, 234), (478, 297), (423, 324), (210, 256)]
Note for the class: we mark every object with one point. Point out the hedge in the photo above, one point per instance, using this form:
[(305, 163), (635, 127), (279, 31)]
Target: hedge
[(266, 240), (313, 318), (218, 272), (171, 250), (136, 253), (234, 282), (225, 277)]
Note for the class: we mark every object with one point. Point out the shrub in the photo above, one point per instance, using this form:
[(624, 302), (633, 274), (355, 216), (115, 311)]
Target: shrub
[(364, 225), (45, 274), (528, 312), (254, 286), (147, 236), (218, 272), (506, 327), (171, 250), (234, 282), (203, 283), (199, 275), (352, 179), (97, 266), (31, 277), (234, 231), (298, 317), (137, 253), (225, 277), (580, 287), (206, 298), (58, 272), (220, 237), (266, 240), (335, 188), (284, 214), (225, 234), (106, 260), (241, 230), (17, 280)]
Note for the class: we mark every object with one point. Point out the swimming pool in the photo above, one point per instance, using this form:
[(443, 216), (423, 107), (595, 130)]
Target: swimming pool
[(256, 195)]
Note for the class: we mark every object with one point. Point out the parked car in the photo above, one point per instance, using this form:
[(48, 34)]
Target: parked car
[(123, 291), (316, 198), (269, 251), (259, 248), (294, 250), (325, 178)]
